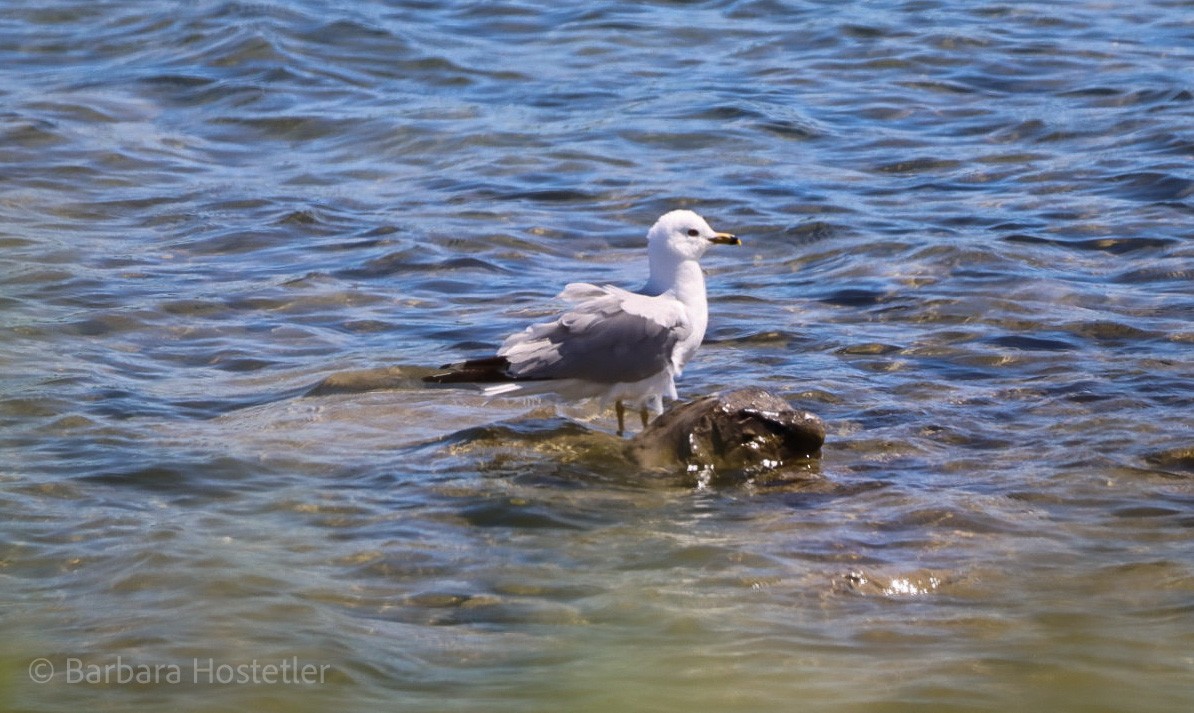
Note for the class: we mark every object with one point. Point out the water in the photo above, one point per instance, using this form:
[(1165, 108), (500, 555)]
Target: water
[(968, 248)]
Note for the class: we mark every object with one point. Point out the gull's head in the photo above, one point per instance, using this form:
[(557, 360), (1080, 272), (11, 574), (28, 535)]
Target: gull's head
[(684, 235)]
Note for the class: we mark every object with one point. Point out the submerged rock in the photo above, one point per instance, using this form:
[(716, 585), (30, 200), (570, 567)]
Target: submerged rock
[(731, 437), (1173, 459), (745, 431), (362, 380)]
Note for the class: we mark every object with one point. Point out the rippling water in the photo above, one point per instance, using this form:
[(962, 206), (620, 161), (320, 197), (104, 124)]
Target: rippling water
[(968, 248)]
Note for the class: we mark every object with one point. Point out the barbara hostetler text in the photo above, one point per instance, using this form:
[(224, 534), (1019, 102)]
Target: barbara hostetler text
[(200, 671)]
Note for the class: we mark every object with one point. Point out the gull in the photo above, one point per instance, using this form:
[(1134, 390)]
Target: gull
[(612, 344)]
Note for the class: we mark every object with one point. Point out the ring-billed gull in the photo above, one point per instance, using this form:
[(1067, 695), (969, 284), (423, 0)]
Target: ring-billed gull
[(612, 344)]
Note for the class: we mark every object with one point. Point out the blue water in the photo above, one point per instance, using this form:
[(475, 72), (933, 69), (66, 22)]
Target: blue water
[(967, 248)]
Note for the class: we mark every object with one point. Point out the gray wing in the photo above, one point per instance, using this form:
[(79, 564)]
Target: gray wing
[(609, 336)]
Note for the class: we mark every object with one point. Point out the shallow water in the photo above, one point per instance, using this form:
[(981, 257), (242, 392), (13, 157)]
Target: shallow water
[(968, 248)]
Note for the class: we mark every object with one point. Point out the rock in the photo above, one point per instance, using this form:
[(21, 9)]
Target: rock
[(742, 431), (362, 380), (1173, 459)]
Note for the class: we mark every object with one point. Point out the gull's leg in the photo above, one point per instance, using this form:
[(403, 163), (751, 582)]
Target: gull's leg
[(643, 415), (620, 409)]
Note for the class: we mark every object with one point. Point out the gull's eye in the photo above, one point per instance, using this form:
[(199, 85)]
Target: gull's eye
[(693, 232)]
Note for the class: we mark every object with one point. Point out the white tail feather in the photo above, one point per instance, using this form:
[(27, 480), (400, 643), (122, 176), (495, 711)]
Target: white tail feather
[(500, 389)]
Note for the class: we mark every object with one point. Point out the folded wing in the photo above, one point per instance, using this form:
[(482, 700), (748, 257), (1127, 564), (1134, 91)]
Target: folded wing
[(609, 335)]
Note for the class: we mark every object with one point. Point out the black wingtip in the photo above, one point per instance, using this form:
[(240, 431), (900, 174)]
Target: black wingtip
[(475, 371)]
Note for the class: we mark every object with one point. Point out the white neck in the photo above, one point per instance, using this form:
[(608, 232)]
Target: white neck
[(685, 280), (682, 278)]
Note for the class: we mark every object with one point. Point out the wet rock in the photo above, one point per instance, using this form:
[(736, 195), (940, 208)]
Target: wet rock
[(732, 434), (1179, 459), (362, 380)]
